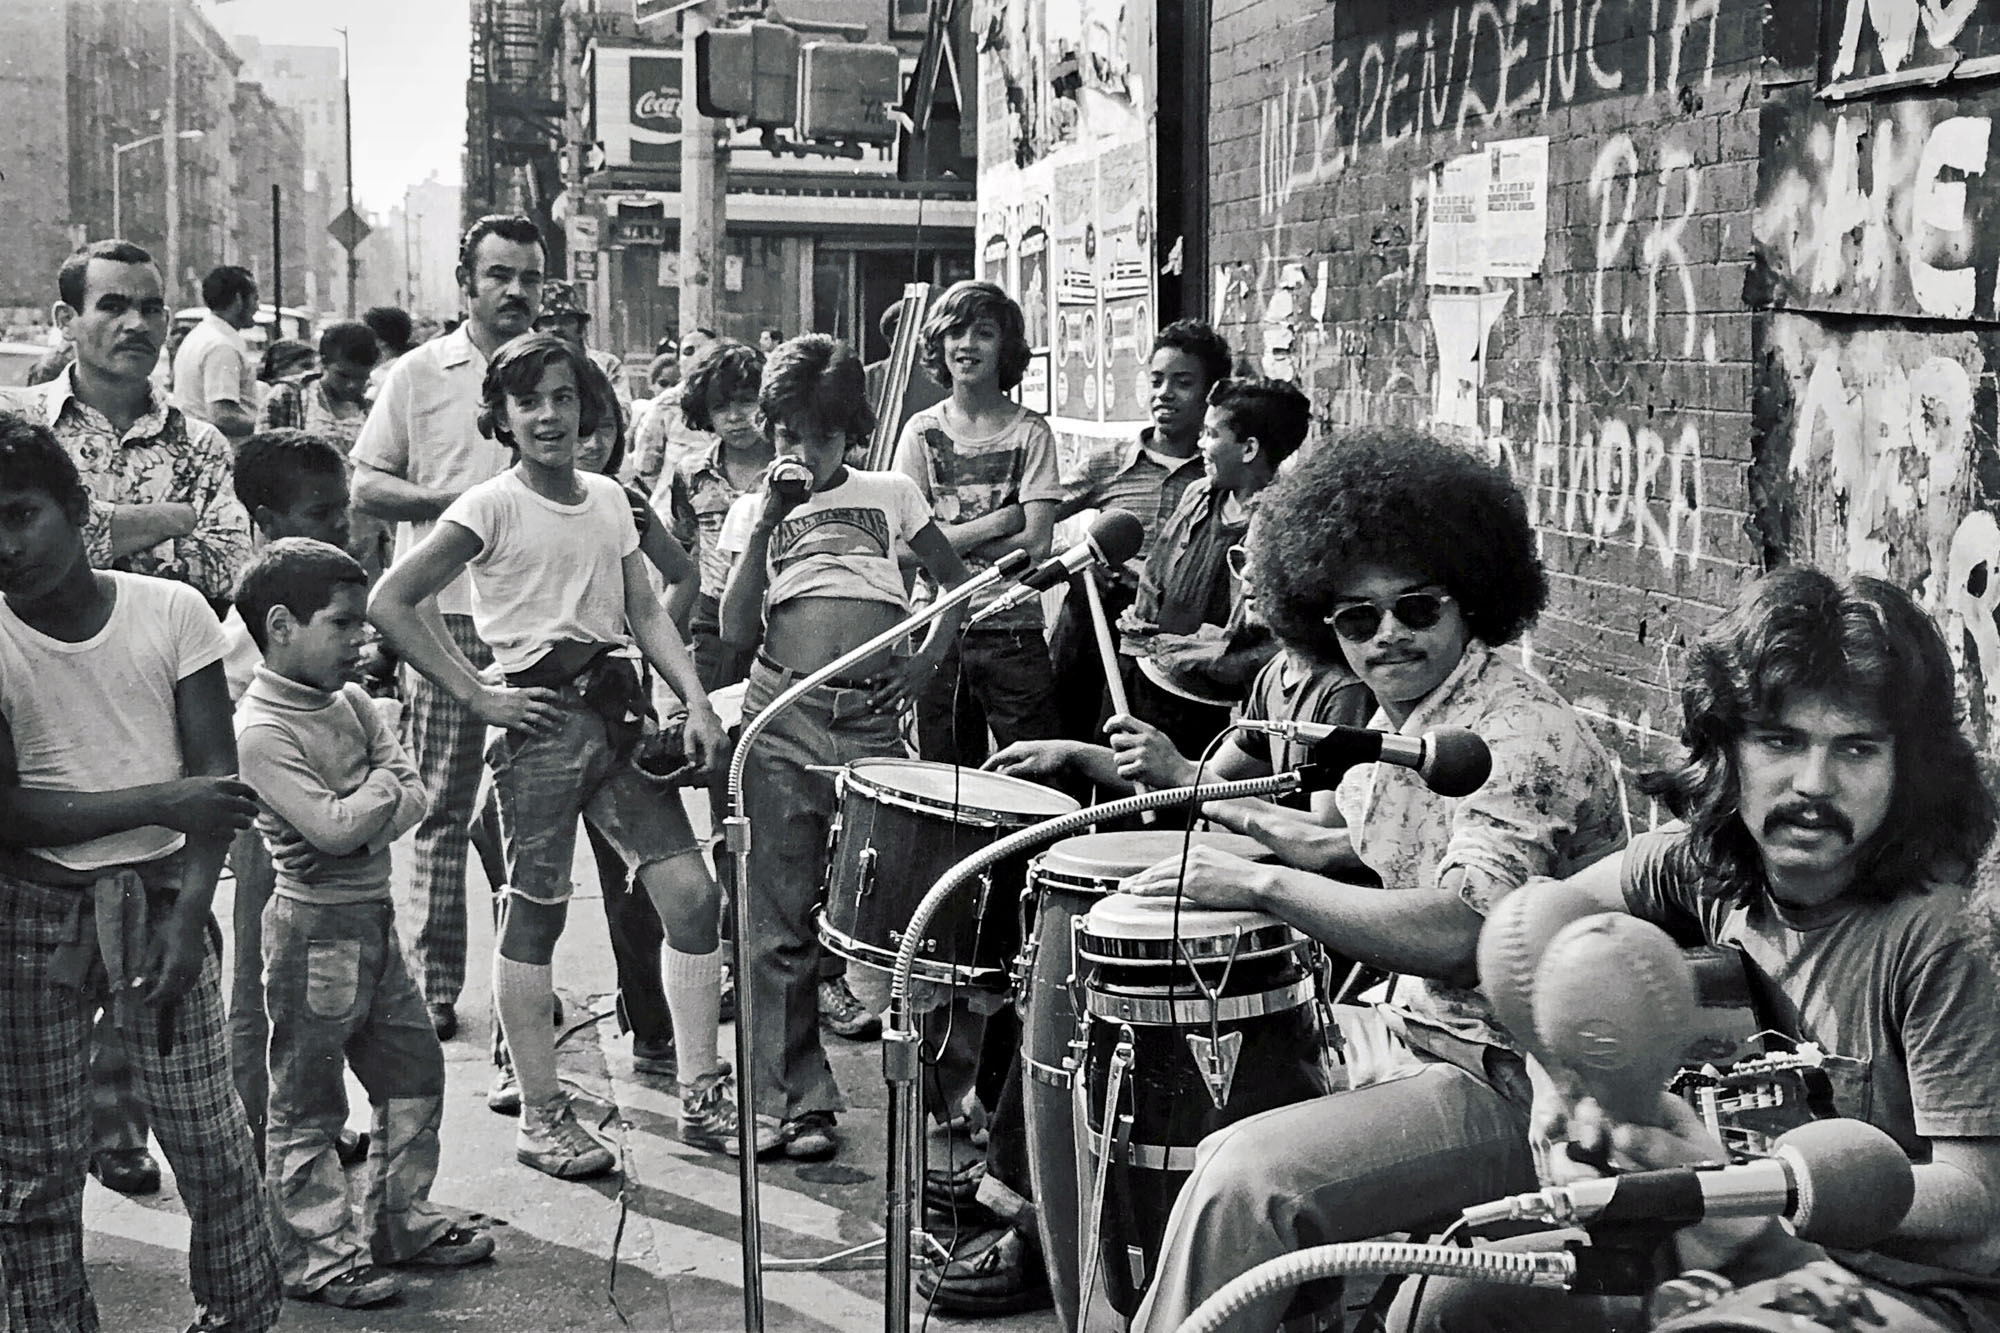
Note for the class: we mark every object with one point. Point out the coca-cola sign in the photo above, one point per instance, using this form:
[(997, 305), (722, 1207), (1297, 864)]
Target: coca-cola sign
[(656, 93)]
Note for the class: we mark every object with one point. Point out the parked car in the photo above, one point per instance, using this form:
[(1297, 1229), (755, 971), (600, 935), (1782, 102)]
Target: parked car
[(17, 359)]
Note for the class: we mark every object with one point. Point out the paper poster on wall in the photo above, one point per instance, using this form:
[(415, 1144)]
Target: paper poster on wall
[(1516, 226), (1455, 257), (993, 259), (1034, 289), (1125, 285), (1073, 257)]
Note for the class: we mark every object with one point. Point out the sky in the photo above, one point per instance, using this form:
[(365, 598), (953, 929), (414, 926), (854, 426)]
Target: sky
[(410, 59)]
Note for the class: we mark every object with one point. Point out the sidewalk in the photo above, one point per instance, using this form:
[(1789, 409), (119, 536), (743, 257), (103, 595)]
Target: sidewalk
[(679, 1261)]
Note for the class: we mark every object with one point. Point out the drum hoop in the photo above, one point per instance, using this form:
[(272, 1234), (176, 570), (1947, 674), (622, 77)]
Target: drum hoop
[(973, 816), (1262, 942), (1048, 1074), (1145, 1156), (1099, 886), (924, 969), (1146, 1011)]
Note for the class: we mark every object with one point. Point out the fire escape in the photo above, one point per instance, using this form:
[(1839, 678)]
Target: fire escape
[(514, 109)]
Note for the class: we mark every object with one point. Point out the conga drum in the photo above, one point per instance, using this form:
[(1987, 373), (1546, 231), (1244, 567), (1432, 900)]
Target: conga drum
[(1193, 1020), (901, 824), (1064, 883)]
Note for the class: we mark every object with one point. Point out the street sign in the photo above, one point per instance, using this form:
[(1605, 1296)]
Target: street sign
[(583, 265), (349, 230)]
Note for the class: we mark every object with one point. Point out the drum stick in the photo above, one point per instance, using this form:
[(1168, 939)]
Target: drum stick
[(1106, 650), (1108, 653)]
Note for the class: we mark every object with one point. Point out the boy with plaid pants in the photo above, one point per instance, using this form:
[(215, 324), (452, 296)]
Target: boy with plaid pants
[(116, 812)]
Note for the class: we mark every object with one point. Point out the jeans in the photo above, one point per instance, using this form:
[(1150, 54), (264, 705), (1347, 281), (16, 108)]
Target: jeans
[(339, 994), (790, 808), (1391, 1156), (992, 679)]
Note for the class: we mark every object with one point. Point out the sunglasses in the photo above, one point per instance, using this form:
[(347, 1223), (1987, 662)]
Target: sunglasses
[(1358, 622)]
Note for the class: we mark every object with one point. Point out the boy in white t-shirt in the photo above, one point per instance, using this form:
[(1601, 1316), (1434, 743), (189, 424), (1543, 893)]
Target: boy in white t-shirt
[(560, 593), (116, 811), (815, 575)]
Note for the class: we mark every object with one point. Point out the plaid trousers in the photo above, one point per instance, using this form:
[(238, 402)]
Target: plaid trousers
[(45, 1131), (447, 745)]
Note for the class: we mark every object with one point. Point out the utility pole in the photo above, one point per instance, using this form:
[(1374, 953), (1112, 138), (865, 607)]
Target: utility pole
[(347, 129), (277, 255), (170, 132), (704, 186)]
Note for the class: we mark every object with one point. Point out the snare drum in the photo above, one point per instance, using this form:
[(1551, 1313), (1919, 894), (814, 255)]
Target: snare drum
[(1063, 884), (1191, 1023), (904, 822)]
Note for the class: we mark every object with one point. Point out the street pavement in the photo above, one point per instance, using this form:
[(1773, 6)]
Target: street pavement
[(661, 1254)]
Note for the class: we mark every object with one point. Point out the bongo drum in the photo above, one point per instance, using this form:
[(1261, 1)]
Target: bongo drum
[(1193, 1020), (1064, 882), (902, 823)]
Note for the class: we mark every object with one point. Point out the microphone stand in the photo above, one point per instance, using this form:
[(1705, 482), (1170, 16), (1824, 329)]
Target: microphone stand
[(737, 839), (899, 1037)]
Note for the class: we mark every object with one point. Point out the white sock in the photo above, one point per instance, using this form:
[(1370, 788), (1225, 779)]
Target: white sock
[(694, 1000), (521, 994)]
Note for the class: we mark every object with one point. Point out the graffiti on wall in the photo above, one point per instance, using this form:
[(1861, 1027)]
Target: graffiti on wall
[(1879, 207), (1880, 442), (1871, 38)]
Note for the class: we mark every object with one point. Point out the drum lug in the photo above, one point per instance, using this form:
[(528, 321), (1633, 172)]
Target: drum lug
[(1215, 1059), (896, 941), (865, 868)]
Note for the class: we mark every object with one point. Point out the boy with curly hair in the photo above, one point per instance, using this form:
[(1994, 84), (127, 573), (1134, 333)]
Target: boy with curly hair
[(987, 466), (1411, 561), (815, 575)]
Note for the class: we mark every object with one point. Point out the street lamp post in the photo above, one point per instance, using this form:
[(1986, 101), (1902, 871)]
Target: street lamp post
[(118, 152)]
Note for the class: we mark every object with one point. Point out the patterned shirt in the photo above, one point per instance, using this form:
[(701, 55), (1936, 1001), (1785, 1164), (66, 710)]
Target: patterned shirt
[(302, 404), (165, 458), (699, 494), (663, 440), (1551, 807), (1133, 480), (965, 478)]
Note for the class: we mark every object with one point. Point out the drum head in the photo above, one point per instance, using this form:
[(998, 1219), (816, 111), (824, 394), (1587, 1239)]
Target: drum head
[(1100, 858), (945, 787), (1125, 916)]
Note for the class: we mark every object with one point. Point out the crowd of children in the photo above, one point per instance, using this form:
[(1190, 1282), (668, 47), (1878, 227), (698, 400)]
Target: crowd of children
[(125, 786)]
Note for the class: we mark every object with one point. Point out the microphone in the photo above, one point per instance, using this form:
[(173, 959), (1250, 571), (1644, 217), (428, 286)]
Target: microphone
[(792, 479), (1114, 538), (1450, 760), (1839, 1182)]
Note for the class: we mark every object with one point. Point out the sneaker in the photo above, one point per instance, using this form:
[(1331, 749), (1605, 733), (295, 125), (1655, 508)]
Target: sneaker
[(843, 1015), (357, 1288), (810, 1137), (459, 1247), (727, 1013), (554, 1142), (709, 1118), (444, 1021), (504, 1097), (657, 1058)]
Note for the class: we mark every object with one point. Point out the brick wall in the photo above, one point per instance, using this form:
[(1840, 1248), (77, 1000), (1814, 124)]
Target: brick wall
[(1646, 405)]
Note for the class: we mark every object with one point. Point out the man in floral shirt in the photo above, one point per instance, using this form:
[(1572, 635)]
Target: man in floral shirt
[(1410, 562), (161, 502)]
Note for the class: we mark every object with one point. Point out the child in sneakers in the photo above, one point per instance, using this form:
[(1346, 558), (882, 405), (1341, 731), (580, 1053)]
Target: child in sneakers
[(559, 591), (337, 790), (815, 575)]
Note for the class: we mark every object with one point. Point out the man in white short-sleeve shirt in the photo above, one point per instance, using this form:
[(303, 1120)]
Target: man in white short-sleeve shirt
[(419, 451), (215, 377)]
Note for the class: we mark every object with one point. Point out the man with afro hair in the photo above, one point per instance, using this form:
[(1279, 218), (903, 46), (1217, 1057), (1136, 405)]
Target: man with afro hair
[(1411, 561)]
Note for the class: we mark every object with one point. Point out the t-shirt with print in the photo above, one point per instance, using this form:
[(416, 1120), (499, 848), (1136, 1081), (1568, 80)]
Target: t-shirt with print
[(966, 477), (841, 542), (99, 715), (1551, 806), (547, 572), (1896, 993)]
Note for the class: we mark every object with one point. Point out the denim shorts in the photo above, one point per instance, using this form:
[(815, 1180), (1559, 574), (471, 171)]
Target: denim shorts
[(544, 782)]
